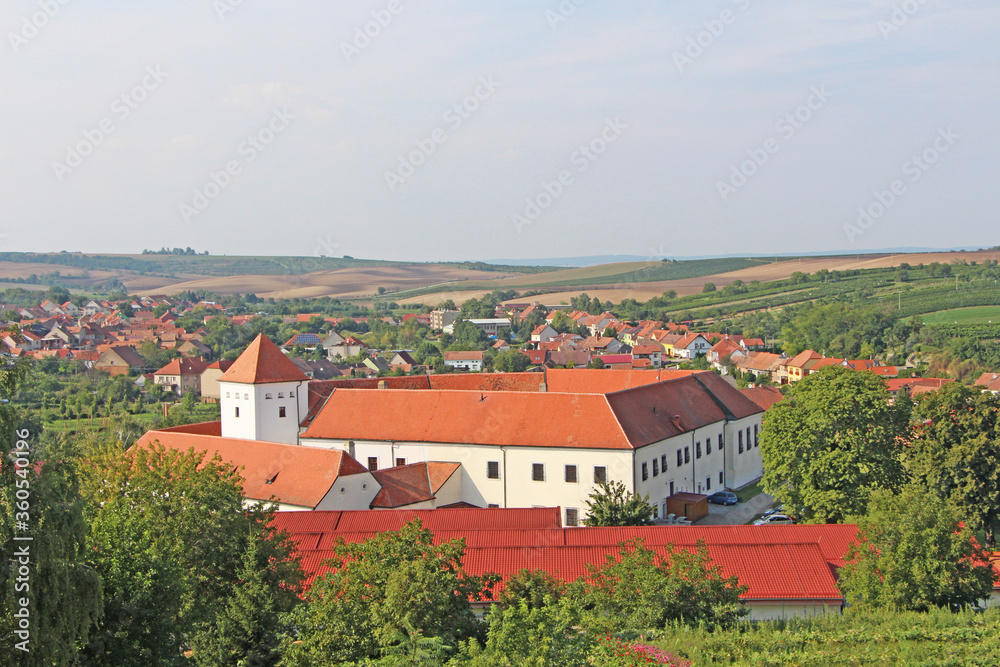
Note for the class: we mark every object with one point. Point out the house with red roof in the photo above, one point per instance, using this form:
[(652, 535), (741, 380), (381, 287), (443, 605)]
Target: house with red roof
[(181, 375), (120, 360), (464, 361), (691, 345), (989, 381)]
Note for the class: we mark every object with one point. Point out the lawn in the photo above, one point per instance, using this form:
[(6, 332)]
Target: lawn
[(972, 315)]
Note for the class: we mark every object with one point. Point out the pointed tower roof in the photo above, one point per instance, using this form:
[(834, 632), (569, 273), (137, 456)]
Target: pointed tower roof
[(262, 362)]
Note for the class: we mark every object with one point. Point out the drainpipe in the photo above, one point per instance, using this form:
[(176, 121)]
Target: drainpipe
[(504, 450)]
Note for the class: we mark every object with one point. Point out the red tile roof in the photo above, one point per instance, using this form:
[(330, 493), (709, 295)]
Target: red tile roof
[(411, 484), (534, 518), (184, 366), (262, 362), (765, 397), (621, 420), (291, 474), (776, 562)]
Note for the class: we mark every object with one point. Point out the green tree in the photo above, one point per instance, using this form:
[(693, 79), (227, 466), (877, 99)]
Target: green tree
[(392, 585), (169, 536), (834, 440), (708, 287), (639, 589), (913, 553), (511, 361), (612, 505), (955, 452), (536, 588)]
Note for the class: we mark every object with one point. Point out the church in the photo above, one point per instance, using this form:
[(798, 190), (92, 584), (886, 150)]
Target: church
[(485, 440)]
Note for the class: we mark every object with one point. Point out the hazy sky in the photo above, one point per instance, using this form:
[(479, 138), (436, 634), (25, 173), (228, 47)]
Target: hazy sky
[(474, 130)]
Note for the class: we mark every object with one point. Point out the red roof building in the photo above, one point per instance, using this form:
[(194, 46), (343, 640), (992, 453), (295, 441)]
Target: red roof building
[(262, 362)]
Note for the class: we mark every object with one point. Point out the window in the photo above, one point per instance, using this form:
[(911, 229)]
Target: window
[(600, 475), (708, 483), (741, 441), (720, 441), (291, 394), (645, 472), (281, 411), (680, 457), (748, 438), (572, 516), (493, 506), (708, 446), (281, 394), (492, 470), (227, 394), (372, 463), (246, 397), (237, 411), (671, 488), (756, 436), (687, 455), (400, 462), (697, 450), (721, 478), (267, 397), (570, 475), (663, 463), (538, 472), (656, 511), (656, 467)]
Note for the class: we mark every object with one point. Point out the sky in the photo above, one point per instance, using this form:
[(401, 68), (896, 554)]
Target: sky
[(430, 130)]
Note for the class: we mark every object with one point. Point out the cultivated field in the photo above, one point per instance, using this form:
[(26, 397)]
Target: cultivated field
[(973, 315)]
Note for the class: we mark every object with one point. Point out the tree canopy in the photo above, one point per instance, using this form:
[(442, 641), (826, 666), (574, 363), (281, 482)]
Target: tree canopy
[(611, 504), (833, 441), (913, 553)]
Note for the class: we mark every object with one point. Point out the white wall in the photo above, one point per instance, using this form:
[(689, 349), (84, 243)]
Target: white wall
[(353, 492), (259, 410), (742, 469), (769, 610)]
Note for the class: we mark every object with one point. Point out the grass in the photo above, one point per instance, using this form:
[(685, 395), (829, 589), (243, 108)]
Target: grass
[(748, 492), (203, 412), (973, 315)]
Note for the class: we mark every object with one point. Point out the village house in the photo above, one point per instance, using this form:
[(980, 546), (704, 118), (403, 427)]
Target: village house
[(464, 361), (120, 360), (210, 378), (181, 376)]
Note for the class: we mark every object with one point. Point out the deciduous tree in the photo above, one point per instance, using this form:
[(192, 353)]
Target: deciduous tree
[(834, 440), (611, 504), (913, 553)]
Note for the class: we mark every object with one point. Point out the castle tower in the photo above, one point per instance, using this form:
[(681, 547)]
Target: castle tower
[(263, 395)]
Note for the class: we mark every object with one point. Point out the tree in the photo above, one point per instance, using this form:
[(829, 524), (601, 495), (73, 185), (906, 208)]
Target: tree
[(536, 588), (955, 452), (913, 553), (169, 536), (612, 505), (395, 584), (40, 499), (834, 440), (511, 361), (708, 287), (639, 589)]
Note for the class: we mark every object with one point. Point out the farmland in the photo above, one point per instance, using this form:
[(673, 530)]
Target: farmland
[(975, 315)]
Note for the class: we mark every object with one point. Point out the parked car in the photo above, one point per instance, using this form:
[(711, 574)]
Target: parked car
[(773, 520), (775, 510), (723, 498)]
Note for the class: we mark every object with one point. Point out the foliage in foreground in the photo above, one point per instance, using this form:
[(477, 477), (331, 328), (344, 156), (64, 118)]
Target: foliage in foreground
[(913, 553), (611, 504), (855, 638)]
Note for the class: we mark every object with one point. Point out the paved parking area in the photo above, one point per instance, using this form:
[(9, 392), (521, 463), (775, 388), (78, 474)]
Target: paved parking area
[(738, 514)]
